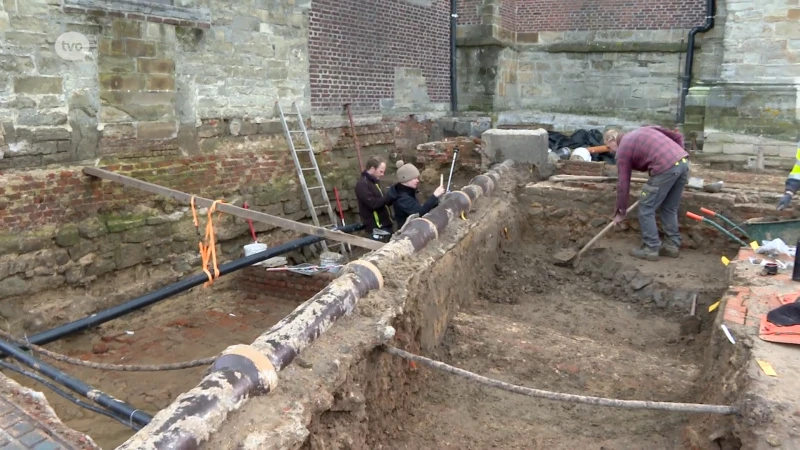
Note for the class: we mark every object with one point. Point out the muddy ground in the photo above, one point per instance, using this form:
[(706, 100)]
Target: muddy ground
[(592, 331), (195, 325)]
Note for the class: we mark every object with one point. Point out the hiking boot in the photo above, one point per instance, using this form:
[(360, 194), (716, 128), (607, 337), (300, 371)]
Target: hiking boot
[(670, 251), (647, 253)]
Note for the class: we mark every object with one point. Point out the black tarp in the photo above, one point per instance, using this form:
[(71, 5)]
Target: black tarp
[(580, 138)]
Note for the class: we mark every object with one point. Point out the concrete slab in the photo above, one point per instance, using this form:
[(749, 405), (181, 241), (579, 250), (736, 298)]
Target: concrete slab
[(523, 146), (27, 422)]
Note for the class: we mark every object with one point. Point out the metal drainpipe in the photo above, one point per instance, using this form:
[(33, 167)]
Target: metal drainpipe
[(453, 86), (104, 316), (687, 67)]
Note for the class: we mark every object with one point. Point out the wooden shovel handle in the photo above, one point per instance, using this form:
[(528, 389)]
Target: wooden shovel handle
[(603, 231)]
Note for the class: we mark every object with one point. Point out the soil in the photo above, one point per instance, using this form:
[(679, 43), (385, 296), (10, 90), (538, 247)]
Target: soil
[(198, 324), (553, 328)]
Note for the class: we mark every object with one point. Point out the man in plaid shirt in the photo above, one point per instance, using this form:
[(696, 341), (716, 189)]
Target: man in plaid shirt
[(659, 152)]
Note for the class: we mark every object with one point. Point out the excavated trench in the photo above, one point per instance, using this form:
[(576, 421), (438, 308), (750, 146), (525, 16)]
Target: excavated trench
[(614, 327), (486, 297)]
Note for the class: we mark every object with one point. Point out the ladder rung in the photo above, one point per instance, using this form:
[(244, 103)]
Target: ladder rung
[(295, 131), (308, 168), (316, 187), (302, 149)]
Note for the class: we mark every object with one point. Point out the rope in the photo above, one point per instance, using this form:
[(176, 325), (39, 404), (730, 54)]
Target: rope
[(207, 245), (557, 396), (104, 366)]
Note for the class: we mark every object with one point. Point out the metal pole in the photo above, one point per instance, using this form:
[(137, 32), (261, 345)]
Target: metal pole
[(452, 166), (119, 408)]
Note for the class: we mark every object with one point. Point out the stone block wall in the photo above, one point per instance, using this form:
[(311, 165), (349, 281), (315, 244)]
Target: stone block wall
[(757, 93), (607, 59), (182, 94)]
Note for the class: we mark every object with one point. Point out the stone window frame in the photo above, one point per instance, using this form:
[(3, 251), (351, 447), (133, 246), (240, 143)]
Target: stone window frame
[(147, 10)]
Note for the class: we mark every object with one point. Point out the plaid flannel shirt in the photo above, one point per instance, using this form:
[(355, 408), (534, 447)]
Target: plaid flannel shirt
[(647, 149)]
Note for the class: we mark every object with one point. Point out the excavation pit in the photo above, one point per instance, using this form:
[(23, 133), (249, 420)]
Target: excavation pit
[(484, 296)]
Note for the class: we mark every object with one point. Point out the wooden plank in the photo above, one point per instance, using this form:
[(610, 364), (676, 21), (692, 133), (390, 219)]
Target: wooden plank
[(201, 202)]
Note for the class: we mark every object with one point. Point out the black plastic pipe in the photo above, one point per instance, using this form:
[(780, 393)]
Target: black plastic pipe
[(118, 407), (687, 67), (104, 316), (453, 86)]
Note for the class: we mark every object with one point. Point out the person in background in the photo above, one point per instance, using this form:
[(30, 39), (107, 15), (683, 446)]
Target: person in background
[(659, 152), (792, 183), (403, 194), (373, 204)]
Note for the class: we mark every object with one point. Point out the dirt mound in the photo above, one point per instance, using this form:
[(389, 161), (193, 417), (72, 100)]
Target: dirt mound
[(512, 279)]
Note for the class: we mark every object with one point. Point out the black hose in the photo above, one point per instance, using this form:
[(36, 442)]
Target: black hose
[(104, 316), (117, 407), (687, 67), (67, 395)]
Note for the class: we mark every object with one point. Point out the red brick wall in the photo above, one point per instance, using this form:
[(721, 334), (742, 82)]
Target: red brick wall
[(441, 152), (554, 15), (30, 200), (355, 46), (469, 12), (508, 14), (257, 282)]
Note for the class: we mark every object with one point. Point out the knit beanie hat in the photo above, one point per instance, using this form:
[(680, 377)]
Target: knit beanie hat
[(406, 172)]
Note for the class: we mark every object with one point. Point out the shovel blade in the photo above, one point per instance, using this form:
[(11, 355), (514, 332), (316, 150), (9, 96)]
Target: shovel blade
[(565, 257)]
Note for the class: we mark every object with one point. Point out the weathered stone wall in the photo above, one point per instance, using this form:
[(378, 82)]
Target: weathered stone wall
[(181, 94), (757, 93), (627, 67), (62, 229)]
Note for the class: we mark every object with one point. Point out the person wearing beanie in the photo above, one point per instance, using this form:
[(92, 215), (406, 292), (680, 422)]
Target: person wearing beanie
[(403, 194)]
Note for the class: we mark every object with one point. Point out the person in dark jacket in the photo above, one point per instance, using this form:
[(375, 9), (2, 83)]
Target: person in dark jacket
[(403, 194), (373, 206)]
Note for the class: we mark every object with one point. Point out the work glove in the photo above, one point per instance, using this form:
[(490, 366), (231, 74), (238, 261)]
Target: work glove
[(785, 201)]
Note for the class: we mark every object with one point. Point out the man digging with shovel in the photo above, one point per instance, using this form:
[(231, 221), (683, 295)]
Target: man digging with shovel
[(659, 152)]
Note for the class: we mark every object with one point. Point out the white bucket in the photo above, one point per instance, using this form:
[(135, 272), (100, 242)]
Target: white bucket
[(581, 154), (252, 249)]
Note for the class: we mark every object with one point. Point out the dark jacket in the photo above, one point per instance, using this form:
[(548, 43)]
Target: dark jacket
[(405, 203), (373, 205)]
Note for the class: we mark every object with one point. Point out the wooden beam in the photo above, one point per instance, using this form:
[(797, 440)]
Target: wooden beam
[(234, 210)]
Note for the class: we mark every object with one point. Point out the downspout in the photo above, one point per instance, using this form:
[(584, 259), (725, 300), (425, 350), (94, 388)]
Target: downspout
[(453, 86), (687, 67)]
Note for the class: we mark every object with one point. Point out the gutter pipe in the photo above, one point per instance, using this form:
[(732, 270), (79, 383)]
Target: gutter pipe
[(453, 85), (687, 67)]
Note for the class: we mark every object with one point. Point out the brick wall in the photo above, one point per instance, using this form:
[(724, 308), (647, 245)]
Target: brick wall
[(469, 12), (364, 53), (441, 152), (553, 15), (258, 283), (508, 14)]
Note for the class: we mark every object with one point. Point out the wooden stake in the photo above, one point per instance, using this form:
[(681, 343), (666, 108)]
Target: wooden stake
[(235, 210)]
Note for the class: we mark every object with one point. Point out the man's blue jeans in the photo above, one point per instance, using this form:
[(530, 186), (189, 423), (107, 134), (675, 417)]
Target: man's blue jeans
[(663, 191)]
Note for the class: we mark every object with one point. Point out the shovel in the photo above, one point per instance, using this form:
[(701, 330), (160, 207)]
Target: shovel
[(568, 257)]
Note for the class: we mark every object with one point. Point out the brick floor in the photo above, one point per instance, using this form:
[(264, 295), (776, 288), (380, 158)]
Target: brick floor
[(28, 423), (744, 308)]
